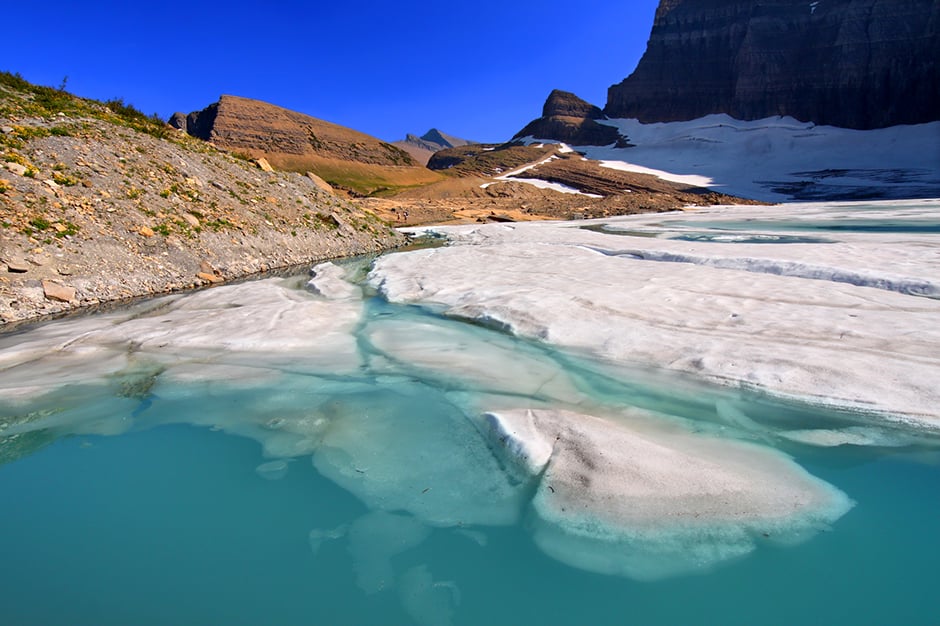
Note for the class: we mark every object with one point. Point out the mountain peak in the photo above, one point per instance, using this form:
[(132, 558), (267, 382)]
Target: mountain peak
[(421, 148), (566, 104), (568, 118)]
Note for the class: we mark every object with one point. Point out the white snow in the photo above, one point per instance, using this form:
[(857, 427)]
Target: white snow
[(688, 179), (513, 176), (637, 498), (756, 159), (836, 323), (544, 184), (225, 330)]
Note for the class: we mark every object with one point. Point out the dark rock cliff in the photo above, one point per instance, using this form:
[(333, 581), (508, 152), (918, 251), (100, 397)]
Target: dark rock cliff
[(568, 118), (851, 63)]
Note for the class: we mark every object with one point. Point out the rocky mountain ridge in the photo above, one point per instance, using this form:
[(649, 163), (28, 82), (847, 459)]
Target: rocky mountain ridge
[(858, 64), (423, 147), (347, 159)]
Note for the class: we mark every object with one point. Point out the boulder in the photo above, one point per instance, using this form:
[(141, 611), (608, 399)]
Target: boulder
[(16, 168), (17, 266), (178, 121), (322, 184), (57, 291)]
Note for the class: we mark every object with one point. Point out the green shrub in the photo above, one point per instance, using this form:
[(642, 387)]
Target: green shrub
[(64, 179), (40, 223)]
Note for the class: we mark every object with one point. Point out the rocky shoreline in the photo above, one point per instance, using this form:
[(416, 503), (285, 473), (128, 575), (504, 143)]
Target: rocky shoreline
[(94, 212)]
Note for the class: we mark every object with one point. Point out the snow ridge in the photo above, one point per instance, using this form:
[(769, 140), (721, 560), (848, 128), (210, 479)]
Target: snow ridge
[(907, 286)]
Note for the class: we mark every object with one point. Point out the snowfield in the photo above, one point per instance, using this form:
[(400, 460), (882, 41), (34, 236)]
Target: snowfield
[(741, 296), (780, 159)]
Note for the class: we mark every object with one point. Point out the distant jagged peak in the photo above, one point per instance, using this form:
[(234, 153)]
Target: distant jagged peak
[(448, 141), (421, 148)]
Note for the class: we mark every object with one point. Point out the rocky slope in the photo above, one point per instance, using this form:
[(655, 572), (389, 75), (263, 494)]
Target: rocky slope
[(858, 64), (347, 159), (100, 204), (568, 118), (517, 182), (423, 147)]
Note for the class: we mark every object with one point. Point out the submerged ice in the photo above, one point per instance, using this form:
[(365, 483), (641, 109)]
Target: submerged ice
[(449, 421)]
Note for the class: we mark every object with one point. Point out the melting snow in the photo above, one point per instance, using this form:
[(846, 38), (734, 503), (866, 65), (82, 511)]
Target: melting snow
[(835, 323)]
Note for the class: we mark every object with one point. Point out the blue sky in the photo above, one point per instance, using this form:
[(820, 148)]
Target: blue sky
[(477, 70)]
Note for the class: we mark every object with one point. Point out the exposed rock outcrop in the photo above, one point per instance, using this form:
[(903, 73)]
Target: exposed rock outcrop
[(347, 159), (852, 63), (263, 129), (568, 118)]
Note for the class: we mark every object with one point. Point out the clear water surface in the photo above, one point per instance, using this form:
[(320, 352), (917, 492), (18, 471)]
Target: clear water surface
[(181, 516)]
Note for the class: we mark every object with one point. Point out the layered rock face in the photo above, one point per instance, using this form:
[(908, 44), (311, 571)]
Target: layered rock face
[(568, 118), (284, 137), (852, 63)]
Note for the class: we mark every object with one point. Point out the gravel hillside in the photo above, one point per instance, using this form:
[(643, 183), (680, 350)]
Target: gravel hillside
[(99, 203)]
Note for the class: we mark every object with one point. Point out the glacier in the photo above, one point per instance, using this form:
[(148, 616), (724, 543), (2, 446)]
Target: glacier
[(779, 159)]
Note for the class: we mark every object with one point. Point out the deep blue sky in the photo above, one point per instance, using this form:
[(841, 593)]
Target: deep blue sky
[(479, 70)]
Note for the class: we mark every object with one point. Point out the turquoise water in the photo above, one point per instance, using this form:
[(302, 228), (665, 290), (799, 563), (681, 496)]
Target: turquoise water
[(712, 237), (193, 511), (173, 526)]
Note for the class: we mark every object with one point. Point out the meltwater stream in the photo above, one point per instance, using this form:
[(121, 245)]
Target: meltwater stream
[(259, 453)]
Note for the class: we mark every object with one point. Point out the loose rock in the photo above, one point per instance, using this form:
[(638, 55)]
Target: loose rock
[(56, 291)]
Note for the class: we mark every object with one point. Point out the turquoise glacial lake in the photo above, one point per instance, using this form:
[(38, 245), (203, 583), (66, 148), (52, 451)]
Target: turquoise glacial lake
[(153, 500)]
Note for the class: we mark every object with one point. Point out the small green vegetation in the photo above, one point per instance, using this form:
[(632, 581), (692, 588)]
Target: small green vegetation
[(13, 157), (325, 220), (64, 179), (163, 229), (30, 132), (219, 224), (5, 186), (48, 102), (37, 224), (68, 229)]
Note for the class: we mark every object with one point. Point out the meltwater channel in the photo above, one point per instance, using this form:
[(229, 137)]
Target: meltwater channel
[(340, 482)]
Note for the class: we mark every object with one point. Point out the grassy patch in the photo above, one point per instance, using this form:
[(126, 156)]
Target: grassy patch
[(65, 180)]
